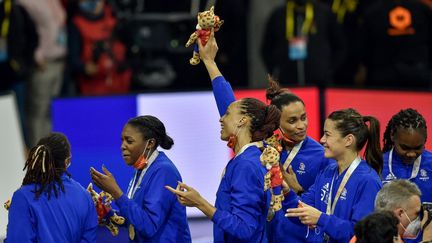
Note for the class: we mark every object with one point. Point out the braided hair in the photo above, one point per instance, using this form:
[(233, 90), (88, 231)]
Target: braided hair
[(408, 118), (46, 163), (264, 119)]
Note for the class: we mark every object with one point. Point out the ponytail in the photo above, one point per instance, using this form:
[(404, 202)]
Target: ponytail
[(373, 154), (349, 121)]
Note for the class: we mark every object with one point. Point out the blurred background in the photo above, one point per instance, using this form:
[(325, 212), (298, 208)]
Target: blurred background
[(84, 67)]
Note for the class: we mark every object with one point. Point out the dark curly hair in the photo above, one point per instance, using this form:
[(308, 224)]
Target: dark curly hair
[(380, 226), (408, 118)]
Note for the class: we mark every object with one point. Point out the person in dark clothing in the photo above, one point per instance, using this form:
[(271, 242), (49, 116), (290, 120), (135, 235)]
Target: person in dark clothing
[(397, 38), (96, 56), (18, 41), (308, 49), (349, 14)]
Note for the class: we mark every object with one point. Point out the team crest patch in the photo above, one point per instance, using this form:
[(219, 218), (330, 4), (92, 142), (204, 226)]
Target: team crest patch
[(302, 168), (423, 175), (343, 194)]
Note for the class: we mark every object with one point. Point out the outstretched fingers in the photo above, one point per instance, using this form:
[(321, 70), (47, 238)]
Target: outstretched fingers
[(106, 171)]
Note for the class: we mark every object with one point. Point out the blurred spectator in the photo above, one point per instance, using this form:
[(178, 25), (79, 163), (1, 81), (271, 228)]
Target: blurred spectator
[(49, 18), (232, 56), (303, 43), (350, 14), (157, 34), (17, 43), (155, 6), (397, 44), (380, 226), (97, 57)]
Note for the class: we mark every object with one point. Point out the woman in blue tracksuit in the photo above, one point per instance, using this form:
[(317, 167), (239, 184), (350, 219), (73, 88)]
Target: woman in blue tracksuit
[(152, 213), (343, 193), (405, 156), (302, 157), (241, 207), (50, 206)]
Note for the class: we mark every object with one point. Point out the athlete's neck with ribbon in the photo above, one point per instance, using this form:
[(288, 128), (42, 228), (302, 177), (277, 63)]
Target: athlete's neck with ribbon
[(345, 160)]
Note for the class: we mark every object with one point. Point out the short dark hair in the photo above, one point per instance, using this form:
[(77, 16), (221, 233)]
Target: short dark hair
[(380, 226), (152, 127)]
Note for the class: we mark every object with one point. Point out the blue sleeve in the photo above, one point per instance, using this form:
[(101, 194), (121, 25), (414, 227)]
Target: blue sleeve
[(341, 229), (21, 224), (308, 197), (91, 223), (292, 200), (247, 202), (223, 93), (148, 217)]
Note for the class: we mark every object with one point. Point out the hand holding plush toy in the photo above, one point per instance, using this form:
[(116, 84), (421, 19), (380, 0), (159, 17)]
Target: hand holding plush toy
[(207, 21), (104, 211)]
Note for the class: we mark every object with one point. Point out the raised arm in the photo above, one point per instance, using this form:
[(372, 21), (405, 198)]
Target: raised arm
[(223, 93)]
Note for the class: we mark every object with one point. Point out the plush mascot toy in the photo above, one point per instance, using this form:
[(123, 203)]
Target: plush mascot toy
[(274, 142), (273, 178), (206, 21), (7, 204), (106, 215)]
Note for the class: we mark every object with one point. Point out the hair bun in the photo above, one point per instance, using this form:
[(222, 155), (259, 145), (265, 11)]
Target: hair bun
[(166, 142)]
